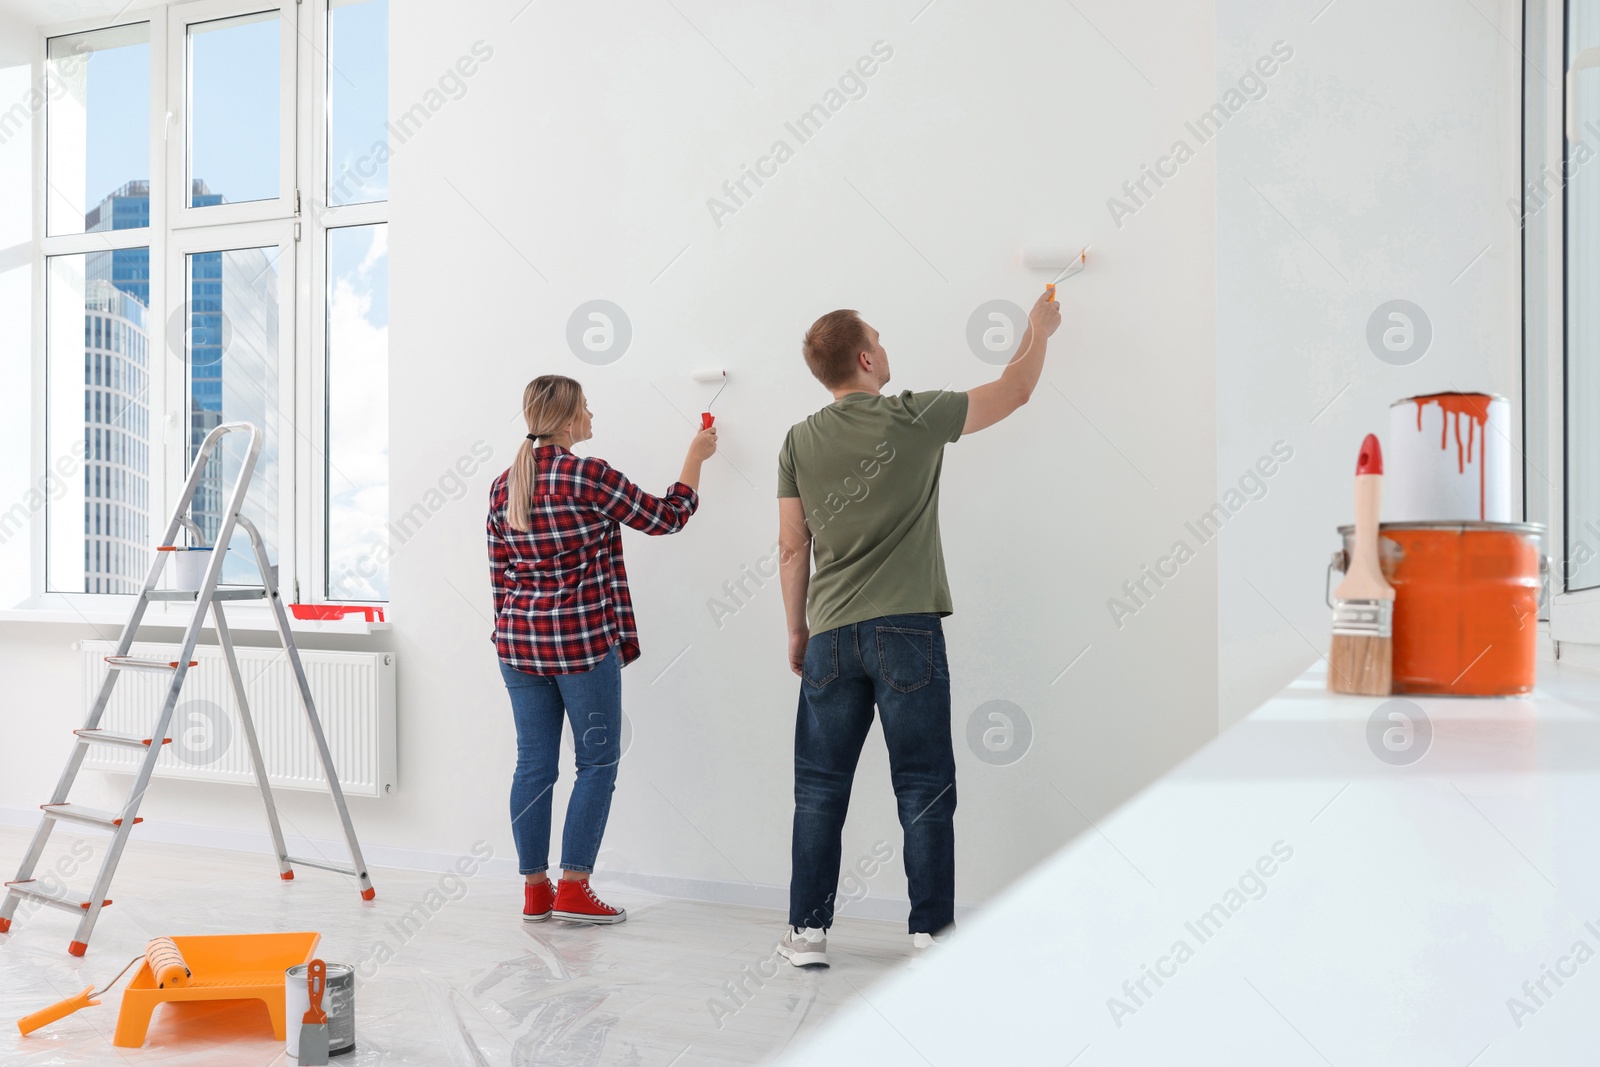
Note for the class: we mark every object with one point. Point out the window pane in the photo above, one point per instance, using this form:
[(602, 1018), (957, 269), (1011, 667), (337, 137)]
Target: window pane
[(97, 127), (233, 110), (358, 101), (98, 423), (358, 413), (1583, 319), (231, 346)]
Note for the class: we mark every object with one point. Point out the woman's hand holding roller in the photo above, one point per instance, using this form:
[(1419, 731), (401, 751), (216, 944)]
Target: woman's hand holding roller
[(700, 450)]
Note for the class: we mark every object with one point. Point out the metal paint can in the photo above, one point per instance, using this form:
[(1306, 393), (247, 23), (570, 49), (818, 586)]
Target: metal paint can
[(1466, 607), (1448, 459), (339, 1001)]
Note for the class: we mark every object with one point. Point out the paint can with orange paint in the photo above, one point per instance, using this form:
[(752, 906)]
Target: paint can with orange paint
[(1448, 457), (1466, 604)]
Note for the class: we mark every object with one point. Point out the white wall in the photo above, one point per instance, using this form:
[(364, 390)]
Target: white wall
[(1376, 168), (577, 165), (590, 142), (1383, 151)]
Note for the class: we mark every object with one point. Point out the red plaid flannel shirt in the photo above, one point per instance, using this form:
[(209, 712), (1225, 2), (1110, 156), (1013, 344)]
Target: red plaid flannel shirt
[(560, 589)]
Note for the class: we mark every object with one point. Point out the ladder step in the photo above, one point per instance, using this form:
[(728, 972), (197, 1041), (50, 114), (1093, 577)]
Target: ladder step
[(351, 871), (97, 736), (25, 889), (244, 592), (106, 820), (134, 663)]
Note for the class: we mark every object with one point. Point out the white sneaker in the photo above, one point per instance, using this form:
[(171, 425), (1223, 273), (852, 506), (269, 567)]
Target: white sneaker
[(924, 941), (805, 947)]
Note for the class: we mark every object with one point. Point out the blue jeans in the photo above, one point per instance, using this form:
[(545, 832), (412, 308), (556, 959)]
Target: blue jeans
[(592, 701), (898, 663)]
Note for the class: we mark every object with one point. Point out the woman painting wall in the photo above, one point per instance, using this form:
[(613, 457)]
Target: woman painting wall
[(564, 629)]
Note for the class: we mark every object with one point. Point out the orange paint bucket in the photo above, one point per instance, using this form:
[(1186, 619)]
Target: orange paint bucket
[(1466, 607)]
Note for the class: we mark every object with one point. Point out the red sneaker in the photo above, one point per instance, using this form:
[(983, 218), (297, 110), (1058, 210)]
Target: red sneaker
[(536, 901), (576, 902)]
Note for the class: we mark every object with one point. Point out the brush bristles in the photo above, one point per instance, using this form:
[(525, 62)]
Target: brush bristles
[(1361, 665)]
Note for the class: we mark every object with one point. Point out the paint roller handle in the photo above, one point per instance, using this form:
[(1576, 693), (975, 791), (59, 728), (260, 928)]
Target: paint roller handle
[(706, 419), (60, 1010)]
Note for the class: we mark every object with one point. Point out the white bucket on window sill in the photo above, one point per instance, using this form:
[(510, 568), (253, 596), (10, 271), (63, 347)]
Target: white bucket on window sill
[(189, 567), (1448, 458)]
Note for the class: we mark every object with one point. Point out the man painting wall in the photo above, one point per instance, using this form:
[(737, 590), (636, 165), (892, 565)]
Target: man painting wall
[(858, 496)]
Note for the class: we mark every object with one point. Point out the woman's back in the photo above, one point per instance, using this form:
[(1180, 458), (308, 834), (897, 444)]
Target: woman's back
[(560, 585)]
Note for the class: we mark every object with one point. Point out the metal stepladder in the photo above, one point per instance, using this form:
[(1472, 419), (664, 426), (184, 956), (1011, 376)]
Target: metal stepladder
[(208, 598)]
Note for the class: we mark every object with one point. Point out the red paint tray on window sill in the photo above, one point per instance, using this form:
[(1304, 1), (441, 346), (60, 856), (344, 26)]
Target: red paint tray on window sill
[(335, 612)]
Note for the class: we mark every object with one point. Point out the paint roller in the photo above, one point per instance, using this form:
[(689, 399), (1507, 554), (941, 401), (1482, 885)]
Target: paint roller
[(167, 964), (167, 967), (711, 376), (1063, 262)]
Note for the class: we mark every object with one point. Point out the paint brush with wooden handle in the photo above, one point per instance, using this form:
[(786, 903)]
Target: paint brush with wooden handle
[(1361, 657)]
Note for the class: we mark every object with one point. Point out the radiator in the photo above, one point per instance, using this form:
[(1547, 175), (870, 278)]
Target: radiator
[(354, 692)]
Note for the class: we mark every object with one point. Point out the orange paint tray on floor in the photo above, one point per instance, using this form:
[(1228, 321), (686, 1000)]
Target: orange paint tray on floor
[(222, 967)]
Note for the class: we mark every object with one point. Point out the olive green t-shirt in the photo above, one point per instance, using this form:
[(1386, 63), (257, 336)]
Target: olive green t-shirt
[(866, 470)]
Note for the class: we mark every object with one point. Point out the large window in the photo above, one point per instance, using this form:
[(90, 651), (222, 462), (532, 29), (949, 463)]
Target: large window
[(232, 353), (353, 284), (98, 422), (358, 413), (99, 129), (216, 251), (1559, 213), (359, 91), (1581, 393), (233, 85)]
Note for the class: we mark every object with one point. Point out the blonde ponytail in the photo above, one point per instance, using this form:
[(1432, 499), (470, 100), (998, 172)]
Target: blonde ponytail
[(550, 404)]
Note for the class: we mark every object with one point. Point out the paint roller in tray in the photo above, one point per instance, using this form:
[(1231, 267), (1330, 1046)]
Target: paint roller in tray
[(166, 964), (706, 418)]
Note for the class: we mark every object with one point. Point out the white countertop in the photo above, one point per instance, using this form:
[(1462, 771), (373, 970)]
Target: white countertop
[(1417, 898)]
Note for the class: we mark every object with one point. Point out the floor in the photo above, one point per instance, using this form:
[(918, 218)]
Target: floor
[(1336, 881), (467, 984)]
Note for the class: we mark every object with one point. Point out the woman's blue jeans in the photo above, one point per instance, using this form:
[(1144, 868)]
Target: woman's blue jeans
[(592, 701)]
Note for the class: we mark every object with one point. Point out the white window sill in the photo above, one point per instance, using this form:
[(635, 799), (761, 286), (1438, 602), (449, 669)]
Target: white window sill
[(240, 620)]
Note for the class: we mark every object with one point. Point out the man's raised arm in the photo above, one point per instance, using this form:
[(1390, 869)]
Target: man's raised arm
[(991, 402)]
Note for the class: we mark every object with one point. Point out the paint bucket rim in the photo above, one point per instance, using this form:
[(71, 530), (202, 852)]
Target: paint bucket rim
[(1458, 525), (1449, 392), (299, 969)]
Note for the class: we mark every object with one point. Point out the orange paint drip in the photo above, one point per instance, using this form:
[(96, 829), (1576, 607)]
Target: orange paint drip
[(1452, 406)]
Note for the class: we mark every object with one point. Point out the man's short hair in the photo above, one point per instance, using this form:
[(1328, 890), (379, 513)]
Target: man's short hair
[(832, 345)]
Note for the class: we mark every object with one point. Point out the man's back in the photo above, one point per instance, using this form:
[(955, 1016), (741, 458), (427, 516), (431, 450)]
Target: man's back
[(866, 469), (858, 488)]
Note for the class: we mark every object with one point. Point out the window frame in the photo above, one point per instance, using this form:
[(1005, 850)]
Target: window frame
[(312, 536), (193, 12), (225, 238), (298, 221), (81, 603), (1574, 615)]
